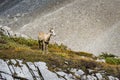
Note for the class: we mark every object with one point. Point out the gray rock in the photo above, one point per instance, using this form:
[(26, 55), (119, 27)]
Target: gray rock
[(34, 71), (99, 76), (112, 78), (77, 72), (25, 70), (84, 77), (17, 70), (66, 76), (46, 74), (90, 70), (7, 31), (5, 71), (10, 69), (90, 77)]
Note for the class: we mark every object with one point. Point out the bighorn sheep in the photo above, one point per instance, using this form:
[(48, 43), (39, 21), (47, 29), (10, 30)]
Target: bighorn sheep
[(44, 38)]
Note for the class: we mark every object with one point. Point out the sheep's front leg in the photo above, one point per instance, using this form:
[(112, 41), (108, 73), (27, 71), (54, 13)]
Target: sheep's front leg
[(43, 47), (46, 48)]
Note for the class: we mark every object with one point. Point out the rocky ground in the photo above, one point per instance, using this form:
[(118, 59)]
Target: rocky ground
[(19, 70)]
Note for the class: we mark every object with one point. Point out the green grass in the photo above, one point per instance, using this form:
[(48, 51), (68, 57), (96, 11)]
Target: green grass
[(113, 60), (110, 58), (27, 49)]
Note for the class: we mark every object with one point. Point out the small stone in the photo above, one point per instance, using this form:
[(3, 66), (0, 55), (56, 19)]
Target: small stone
[(66, 62), (90, 77), (79, 72), (99, 76), (84, 77), (112, 78)]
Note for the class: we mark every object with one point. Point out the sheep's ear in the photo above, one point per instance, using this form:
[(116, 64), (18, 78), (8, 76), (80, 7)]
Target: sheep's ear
[(51, 29)]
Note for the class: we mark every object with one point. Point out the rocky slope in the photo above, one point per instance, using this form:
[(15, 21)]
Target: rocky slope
[(19, 70), (84, 25)]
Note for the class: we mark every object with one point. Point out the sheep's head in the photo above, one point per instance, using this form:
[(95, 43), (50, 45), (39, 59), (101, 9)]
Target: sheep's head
[(52, 32)]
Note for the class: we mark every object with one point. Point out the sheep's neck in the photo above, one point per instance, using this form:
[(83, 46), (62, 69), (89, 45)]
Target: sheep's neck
[(48, 37)]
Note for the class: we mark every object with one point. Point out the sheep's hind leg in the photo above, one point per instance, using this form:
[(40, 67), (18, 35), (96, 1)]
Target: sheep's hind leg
[(39, 44)]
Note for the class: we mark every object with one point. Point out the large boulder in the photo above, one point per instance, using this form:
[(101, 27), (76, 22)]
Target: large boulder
[(8, 32)]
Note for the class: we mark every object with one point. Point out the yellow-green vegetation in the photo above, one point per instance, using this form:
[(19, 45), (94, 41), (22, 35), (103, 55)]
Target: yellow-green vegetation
[(113, 60), (59, 56), (110, 58)]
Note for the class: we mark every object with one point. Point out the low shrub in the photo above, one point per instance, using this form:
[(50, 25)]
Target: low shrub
[(105, 55), (111, 60)]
